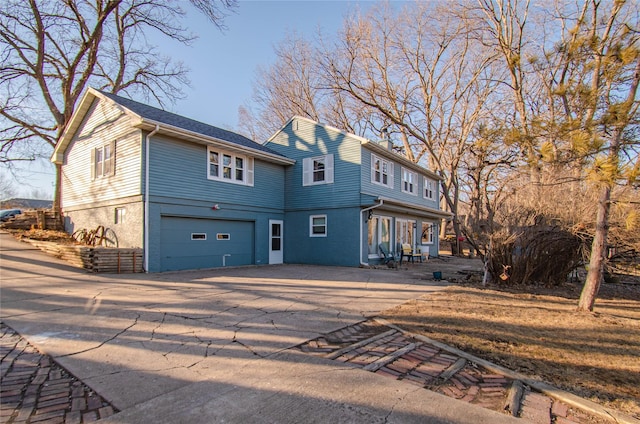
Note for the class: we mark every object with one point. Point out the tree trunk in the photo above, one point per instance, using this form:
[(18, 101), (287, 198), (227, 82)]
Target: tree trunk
[(598, 252), (57, 194)]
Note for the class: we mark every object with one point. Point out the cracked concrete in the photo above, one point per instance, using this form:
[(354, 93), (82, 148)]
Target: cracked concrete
[(211, 346)]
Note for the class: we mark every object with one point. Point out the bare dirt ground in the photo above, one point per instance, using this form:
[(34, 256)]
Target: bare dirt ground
[(537, 331)]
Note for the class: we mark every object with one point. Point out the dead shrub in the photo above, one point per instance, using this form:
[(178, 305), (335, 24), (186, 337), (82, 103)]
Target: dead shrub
[(534, 255)]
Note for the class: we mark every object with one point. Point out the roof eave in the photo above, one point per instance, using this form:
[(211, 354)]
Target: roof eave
[(412, 207), (86, 101), (193, 136)]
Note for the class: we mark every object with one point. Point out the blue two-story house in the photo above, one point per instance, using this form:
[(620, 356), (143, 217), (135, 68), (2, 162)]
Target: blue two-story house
[(345, 195), (195, 196)]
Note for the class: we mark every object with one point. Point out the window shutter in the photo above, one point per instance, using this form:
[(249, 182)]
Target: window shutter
[(307, 170), (250, 172), (112, 159), (373, 168), (328, 171), (391, 173), (93, 164)]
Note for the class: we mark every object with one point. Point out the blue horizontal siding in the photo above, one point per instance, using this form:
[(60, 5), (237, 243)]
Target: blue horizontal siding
[(341, 246), (302, 139), (179, 169), (394, 192)]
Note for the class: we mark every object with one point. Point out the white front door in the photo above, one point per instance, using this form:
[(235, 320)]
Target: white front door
[(275, 241)]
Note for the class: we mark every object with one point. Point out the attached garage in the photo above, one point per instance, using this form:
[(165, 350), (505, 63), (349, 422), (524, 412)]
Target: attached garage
[(192, 243)]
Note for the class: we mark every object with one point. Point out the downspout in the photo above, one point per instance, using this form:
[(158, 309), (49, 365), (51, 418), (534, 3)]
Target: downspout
[(361, 213), (146, 197)]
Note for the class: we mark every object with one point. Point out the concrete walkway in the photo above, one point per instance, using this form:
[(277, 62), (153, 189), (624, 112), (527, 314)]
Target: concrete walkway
[(214, 346)]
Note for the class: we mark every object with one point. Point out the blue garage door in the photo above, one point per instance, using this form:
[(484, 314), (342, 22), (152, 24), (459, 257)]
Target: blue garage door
[(192, 243)]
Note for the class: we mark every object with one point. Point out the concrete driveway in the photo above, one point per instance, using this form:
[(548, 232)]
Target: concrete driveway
[(211, 346)]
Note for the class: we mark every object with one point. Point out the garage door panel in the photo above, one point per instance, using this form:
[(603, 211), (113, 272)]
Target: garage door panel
[(216, 243)]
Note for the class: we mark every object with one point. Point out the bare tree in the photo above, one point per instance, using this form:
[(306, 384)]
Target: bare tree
[(575, 92), (52, 51), (426, 77)]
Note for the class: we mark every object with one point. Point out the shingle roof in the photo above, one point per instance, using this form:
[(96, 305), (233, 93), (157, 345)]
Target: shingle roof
[(164, 117)]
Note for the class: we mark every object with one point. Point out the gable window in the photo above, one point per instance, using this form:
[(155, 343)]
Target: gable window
[(381, 171), (317, 170), (409, 181), (103, 161), (318, 226), (429, 189), (229, 167)]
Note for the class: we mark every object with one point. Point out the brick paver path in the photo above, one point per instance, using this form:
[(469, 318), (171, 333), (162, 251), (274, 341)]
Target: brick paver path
[(392, 353), (34, 389)]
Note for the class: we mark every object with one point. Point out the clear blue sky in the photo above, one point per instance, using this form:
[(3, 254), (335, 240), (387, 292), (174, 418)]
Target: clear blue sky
[(223, 65)]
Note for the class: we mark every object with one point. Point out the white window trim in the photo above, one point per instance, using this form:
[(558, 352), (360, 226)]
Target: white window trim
[(95, 173), (247, 174), (391, 235), (311, 234), (431, 185), (307, 170), (432, 225), (389, 174), (410, 225), (412, 181)]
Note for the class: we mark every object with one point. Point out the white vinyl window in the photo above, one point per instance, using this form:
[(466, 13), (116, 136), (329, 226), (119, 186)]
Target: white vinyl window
[(381, 171), (427, 233), (409, 181), (103, 161), (429, 189), (229, 167), (120, 214), (318, 226), (317, 170)]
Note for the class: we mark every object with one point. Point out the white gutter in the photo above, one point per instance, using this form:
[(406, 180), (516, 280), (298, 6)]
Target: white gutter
[(361, 212), (146, 197)]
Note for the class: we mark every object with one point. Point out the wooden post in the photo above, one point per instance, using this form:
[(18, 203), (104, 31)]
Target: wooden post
[(42, 225)]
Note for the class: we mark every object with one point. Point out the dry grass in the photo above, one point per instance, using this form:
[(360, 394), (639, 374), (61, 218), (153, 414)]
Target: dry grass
[(537, 332)]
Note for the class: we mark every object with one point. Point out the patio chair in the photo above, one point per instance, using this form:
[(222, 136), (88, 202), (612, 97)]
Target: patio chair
[(388, 258), (408, 252)]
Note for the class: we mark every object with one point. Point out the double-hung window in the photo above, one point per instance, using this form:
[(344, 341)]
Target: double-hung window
[(317, 170), (229, 167), (381, 171), (429, 189), (318, 226), (409, 181), (103, 161)]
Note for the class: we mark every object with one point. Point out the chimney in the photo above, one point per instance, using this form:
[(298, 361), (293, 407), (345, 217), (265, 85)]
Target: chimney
[(384, 139)]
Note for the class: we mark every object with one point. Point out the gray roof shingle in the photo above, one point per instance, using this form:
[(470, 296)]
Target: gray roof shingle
[(164, 117)]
